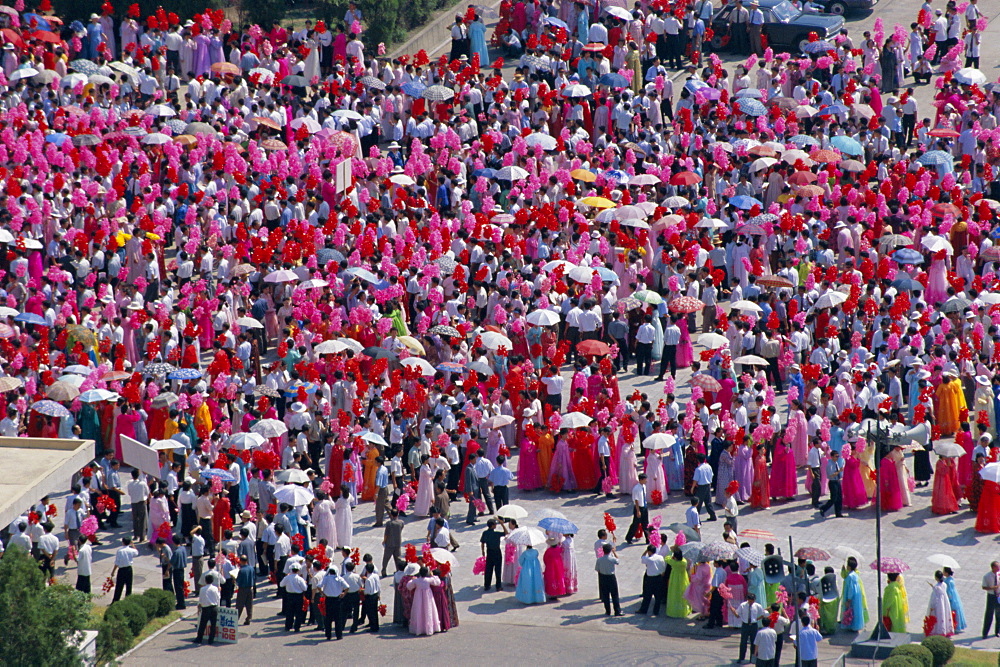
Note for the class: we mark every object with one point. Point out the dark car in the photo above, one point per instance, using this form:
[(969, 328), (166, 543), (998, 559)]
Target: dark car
[(841, 7), (786, 27)]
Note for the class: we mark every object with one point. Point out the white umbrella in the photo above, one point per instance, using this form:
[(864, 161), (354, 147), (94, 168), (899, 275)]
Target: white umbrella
[(989, 298), (515, 512), (249, 323), (97, 395), (245, 440), (401, 179), (314, 283), (155, 139), (543, 318), (846, 552), (498, 421), (581, 274), (936, 244), (762, 163), (831, 299), (294, 495), (281, 276), (270, 428), (422, 364), (970, 76), (162, 445), (553, 265), (311, 124), (574, 420), (292, 476), (161, 110), (330, 347), (444, 556), (949, 449), (713, 341), (750, 360), (23, 73), (659, 441), (369, 436), (351, 344), (943, 560), (743, 304), (991, 472), (74, 380), (526, 536), (493, 341)]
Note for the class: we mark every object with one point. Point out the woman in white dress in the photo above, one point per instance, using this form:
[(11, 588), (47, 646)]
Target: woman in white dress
[(343, 519), (310, 66), (323, 519), (939, 608)]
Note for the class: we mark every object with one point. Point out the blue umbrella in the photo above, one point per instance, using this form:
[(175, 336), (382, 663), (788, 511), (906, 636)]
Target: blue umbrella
[(822, 46), (749, 92), (31, 318), (614, 80), (607, 275), (224, 475), (833, 109), (803, 140), (694, 85), (558, 525), (908, 256), (185, 374), (40, 22), (50, 408), (449, 367), (907, 283), (414, 88), (744, 202), (618, 176), (556, 22), (847, 145), (485, 172), (293, 388), (751, 107), (935, 158), (56, 138)]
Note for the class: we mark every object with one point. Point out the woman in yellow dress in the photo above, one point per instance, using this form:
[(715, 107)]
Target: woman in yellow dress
[(370, 466), (866, 456), (951, 401)]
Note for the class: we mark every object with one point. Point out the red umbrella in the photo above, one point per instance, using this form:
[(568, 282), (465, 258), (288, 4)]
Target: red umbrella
[(11, 37), (944, 132), (593, 348), (802, 178), (686, 304), (46, 36), (942, 209), (685, 178), (706, 382)]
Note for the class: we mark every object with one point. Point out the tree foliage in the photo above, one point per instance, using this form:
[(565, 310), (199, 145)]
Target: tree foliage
[(39, 625)]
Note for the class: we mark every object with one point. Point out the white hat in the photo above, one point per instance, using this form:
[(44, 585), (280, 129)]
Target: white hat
[(298, 407), (528, 412), (715, 406), (983, 380)]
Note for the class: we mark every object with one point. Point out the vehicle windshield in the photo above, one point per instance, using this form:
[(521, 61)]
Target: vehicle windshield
[(784, 11)]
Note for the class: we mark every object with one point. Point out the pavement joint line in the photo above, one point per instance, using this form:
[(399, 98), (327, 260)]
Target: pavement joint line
[(187, 614)]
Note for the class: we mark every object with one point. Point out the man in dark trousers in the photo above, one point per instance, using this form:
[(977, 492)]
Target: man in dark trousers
[(991, 584), (178, 565), (640, 511), (334, 590), (490, 545), (835, 475), (716, 601), (392, 540), (607, 580)]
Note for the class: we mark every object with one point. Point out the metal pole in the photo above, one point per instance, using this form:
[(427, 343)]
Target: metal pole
[(795, 602)]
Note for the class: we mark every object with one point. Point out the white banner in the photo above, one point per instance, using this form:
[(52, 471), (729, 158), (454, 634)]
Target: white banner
[(229, 621), (141, 457)]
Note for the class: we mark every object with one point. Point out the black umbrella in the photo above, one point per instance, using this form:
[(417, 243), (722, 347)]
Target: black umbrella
[(955, 304), (907, 283), (295, 81), (479, 367), (445, 330), (380, 353), (327, 255)]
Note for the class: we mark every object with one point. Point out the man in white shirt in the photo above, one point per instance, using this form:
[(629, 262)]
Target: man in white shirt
[(644, 346), (652, 581), (640, 511), (138, 493), (749, 613), (84, 564), (208, 602), (703, 476), (122, 570)]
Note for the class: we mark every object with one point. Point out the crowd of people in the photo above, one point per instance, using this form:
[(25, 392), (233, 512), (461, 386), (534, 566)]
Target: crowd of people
[(311, 276)]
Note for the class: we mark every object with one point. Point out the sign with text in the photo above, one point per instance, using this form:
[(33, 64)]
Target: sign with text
[(141, 457), (229, 621)]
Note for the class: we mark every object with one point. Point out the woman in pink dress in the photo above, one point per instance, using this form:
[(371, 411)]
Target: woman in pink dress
[(124, 425), (937, 279), (737, 584), (627, 475), (697, 591), (425, 487), (800, 443), (561, 475), (783, 481), (892, 495), (944, 499), (657, 480), (555, 572), (853, 487), (685, 352), (529, 474), (424, 619), (725, 395)]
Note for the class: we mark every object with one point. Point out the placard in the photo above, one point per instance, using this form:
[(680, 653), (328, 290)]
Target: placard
[(343, 175), (139, 456), (229, 620)]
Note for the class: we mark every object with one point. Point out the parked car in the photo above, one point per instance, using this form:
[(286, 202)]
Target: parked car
[(841, 7), (786, 28)]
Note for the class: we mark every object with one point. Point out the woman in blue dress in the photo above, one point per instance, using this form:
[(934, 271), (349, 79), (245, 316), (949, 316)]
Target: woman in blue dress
[(477, 37), (530, 584), (954, 600)]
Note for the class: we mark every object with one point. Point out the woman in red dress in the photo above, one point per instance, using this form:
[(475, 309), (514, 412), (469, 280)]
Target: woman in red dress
[(944, 499), (583, 454), (988, 512), (760, 496)]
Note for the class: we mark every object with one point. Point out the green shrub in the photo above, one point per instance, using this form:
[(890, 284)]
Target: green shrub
[(901, 661), (114, 637), (132, 611), (941, 648), (164, 602), (921, 653)]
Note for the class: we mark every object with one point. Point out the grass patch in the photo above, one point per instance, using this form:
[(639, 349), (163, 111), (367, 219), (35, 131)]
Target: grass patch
[(966, 657), (156, 625)]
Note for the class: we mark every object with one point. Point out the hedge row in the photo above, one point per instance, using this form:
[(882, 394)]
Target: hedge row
[(125, 619)]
